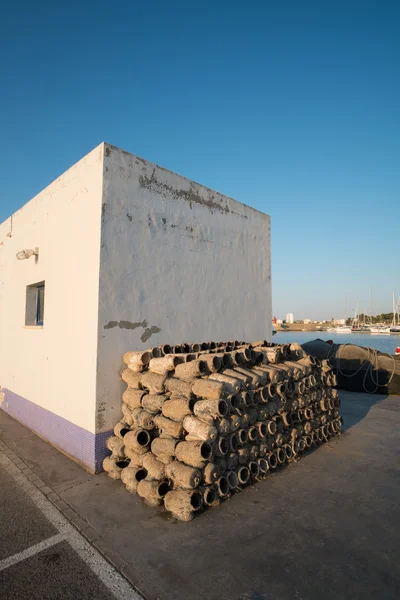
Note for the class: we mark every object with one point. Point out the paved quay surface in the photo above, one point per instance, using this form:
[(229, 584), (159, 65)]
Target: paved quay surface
[(328, 526), (43, 556)]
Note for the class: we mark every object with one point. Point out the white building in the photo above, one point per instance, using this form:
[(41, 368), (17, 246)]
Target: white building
[(307, 321), (290, 318), (130, 256), (339, 322)]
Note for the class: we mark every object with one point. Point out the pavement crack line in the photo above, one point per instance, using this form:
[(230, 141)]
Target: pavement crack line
[(31, 551), (108, 575), (69, 486)]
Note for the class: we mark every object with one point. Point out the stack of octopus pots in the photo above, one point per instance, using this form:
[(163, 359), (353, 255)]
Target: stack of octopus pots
[(203, 421)]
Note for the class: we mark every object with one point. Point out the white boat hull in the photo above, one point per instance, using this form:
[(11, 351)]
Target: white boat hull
[(380, 330)]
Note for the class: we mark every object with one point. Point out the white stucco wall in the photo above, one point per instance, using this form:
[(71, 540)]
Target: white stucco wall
[(55, 367), (179, 262)]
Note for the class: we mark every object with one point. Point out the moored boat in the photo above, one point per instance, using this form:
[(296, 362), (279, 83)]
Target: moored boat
[(360, 329), (357, 326), (343, 329), (380, 330), (395, 326)]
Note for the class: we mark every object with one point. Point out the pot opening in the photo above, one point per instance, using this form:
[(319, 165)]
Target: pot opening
[(195, 500), (263, 430), (223, 445), (203, 367), (141, 474), (281, 455), (223, 408), (243, 474), (143, 437), (253, 434), (163, 489), (234, 442), (205, 450), (243, 436), (263, 465), (254, 469), (223, 486), (210, 496), (226, 360)]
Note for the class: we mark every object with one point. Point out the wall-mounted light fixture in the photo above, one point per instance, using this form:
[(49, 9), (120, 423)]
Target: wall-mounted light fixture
[(27, 253)]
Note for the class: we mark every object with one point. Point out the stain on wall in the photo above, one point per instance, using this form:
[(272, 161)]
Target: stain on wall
[(154, 185), (130, 325), (111, 324), (100, 420), (149, 332)]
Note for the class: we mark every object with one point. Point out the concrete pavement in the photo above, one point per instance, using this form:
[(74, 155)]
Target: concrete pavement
[(328, 526), (42, 556)]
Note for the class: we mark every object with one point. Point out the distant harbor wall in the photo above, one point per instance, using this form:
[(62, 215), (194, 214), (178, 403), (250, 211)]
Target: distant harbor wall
[(301, 327)]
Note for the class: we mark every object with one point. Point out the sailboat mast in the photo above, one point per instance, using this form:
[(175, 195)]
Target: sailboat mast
[(370, 305), (356, 319), (394, 312)]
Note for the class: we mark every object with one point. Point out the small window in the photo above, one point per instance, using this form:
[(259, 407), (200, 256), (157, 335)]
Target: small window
[(34, 311)]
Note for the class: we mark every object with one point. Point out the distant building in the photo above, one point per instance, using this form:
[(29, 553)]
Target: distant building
[(339, 321), (290, 318), (279, 321), (307, 321)]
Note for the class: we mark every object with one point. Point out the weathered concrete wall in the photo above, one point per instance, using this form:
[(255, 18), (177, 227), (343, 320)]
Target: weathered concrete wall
[(132, 256), (179, 262), (48, 375)]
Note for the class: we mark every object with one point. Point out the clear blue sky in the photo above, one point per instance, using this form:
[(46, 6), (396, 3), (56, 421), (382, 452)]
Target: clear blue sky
[(292, 108)]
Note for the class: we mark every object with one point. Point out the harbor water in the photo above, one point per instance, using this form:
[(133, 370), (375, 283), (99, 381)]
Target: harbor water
[(383, 343)]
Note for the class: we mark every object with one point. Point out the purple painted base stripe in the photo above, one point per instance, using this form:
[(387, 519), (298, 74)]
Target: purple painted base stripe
[(88, 448)]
